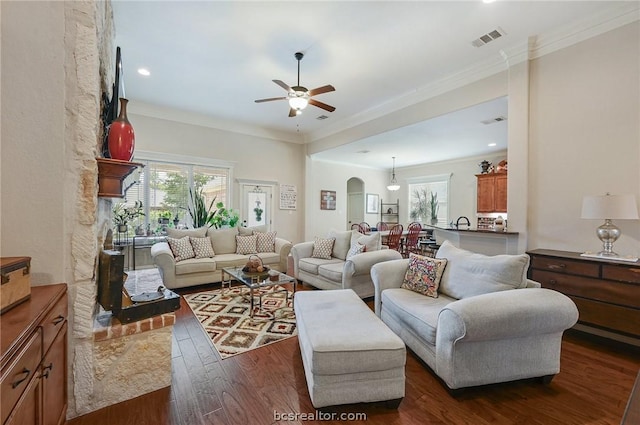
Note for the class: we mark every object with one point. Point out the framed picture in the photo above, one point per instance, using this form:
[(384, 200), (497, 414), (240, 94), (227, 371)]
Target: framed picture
[(373, 203), (327, 199)]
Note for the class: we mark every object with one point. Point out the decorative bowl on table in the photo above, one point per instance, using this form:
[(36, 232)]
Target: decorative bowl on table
[(254, 267)]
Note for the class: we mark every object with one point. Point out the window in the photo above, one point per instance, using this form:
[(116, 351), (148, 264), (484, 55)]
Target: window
[(163, 187), (424, 190)]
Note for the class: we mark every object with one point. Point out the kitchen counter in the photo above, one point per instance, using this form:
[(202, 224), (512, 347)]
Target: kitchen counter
[(488, 242), (470, 229)]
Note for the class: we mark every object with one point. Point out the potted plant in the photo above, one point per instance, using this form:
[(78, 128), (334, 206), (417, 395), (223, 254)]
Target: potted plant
[(224, 217), (122, 214), (164, 217), (201, 215), (434, 208), (420, 208)]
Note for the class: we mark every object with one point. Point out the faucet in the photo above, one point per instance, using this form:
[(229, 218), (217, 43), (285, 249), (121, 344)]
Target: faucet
[(460, 218)]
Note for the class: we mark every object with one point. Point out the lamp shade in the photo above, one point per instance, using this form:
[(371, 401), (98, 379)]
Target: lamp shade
[(618, 207)]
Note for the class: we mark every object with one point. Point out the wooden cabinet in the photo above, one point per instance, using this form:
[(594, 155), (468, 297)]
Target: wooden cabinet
[(606, 293), (33, 344), (390, 212), (492, 192)]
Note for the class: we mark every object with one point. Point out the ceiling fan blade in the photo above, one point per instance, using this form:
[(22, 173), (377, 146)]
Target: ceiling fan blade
[(320, 90), (321, 105), (269, 99), (292, 113), (283, 85)]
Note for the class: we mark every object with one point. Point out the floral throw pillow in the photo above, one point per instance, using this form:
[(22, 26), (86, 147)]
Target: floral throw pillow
[(202, 247), (266, 241), (322, 248), (424, 274), (356, 248), (246, 244), (181, 248)]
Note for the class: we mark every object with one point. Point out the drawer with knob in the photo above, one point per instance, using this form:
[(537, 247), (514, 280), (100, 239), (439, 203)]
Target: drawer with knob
[(607, 293)]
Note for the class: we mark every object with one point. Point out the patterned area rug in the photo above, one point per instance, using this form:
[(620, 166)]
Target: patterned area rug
[(224, 314)]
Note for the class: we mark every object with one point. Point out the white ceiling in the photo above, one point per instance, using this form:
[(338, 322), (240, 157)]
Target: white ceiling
[(214, 58)]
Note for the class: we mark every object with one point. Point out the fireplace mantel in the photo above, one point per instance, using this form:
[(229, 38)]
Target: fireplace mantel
[(111, 175)]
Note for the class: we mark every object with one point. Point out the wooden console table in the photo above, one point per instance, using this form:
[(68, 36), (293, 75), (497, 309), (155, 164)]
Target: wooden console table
[(606, 292)]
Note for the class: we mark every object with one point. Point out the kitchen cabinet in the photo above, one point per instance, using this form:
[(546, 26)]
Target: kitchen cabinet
[(33, 365), (492, 192)]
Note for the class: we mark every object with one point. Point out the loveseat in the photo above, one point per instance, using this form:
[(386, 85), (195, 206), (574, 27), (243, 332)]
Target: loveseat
[(214, 249), (345, 265), (487, 322)]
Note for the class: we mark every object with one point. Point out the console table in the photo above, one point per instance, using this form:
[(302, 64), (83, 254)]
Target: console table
[(606, 292)]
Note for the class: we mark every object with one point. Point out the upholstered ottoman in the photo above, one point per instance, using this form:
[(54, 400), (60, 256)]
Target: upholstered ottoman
[(349, 355)]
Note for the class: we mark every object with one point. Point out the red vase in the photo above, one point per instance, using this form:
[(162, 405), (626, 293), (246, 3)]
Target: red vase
[(121, 136)]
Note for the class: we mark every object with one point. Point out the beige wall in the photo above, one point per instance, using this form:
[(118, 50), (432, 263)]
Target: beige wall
[(584, 138), (253, 158), (33, 143)]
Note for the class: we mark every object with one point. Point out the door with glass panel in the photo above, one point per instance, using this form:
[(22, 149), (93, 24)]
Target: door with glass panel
[(256, 209)]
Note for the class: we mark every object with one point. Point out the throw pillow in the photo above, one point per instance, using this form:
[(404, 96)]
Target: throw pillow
[(342, 243), (181, 248), (246, 244), (424, 274), (266, 241), (223, 241), (202, 247), (373, 242), (469, 273), (356, 249), (322, 248)]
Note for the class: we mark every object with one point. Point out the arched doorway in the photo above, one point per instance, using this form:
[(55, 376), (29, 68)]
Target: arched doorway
[(355, 201)]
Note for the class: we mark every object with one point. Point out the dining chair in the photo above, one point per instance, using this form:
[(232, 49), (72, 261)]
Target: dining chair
[(395, 236), (365, 228), (411, 242), (382, 226), (355, 226)]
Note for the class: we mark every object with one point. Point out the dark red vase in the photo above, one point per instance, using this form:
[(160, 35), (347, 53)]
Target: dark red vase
[(121, 137)]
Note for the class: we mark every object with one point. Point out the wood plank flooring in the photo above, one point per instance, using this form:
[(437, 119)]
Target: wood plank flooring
[(267, 386)]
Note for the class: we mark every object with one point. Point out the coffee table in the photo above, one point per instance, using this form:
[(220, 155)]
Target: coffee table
[(255, 281)]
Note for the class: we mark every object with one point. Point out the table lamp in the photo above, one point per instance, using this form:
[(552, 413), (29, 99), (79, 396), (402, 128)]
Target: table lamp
[(609, 207)]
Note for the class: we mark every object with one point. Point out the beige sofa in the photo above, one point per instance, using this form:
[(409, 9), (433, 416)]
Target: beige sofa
[(341, 271), (197, 271), (488, 324)]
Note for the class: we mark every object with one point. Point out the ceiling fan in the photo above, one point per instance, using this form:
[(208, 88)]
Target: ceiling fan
[(299, 97)]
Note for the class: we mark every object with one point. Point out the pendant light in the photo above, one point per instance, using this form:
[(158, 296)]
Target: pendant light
[(393, 184)]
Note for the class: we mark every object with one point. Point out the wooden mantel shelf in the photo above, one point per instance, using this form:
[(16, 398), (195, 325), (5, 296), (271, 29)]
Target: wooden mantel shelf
[(111, 175)]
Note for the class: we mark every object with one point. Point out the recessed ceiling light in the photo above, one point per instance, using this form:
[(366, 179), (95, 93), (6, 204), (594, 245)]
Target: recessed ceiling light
[(363, 151), (144, 71), (492, 144)]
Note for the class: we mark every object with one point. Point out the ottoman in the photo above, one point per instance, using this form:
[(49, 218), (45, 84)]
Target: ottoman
[(349, 354)]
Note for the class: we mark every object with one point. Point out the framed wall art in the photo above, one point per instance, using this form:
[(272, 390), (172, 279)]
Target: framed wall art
[(327, 199), (373, 203)]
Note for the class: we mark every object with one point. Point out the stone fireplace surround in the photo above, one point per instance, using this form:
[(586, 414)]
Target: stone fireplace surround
[(108, 363)]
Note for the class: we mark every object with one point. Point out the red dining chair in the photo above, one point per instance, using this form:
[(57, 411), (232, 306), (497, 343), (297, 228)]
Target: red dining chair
[(355, 226), (382, 226), (365, 228), (395, 236), (412, 239)]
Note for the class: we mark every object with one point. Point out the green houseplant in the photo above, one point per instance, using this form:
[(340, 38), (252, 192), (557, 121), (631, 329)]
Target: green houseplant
[(420, 208), (200, 214), (122, 214), (434, 208)]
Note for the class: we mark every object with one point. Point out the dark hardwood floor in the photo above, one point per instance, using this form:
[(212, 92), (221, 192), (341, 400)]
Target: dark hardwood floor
[(593, 387)]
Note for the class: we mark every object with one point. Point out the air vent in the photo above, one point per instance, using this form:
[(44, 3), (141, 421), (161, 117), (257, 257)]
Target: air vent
[(363, 151), (322, 117), (488, 37), (494, 120)]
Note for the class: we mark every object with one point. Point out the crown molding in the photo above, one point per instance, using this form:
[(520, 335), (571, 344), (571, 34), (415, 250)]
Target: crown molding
[(535, 47), (585, 29), (193, 118)]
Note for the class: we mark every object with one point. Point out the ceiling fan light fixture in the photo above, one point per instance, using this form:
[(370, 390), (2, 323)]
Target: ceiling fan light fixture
[(393, 184), (298, 100)]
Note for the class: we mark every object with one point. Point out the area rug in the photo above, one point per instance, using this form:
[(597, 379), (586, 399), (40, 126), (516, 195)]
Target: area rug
[(224, 315)]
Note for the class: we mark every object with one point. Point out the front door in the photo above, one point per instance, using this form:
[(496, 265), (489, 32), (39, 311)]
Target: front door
[(256, 207)]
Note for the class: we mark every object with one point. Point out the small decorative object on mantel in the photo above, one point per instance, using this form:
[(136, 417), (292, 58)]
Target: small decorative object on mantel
[(502, 166), (121, 136), (485, 166)]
